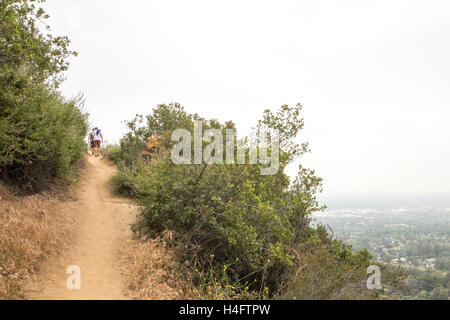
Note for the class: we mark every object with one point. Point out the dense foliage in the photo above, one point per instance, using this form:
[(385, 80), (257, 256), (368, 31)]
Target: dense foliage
[(248, 231), (41, 132)]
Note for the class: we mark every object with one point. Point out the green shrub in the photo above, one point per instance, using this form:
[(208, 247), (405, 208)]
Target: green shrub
[(41, 132), (112, 152), (40, 138), (253, 225)]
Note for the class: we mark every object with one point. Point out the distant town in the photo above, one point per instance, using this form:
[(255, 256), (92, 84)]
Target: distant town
[(414, 239)]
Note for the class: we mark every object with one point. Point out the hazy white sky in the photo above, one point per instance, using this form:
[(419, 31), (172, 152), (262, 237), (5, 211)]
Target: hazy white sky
[(373, 76)]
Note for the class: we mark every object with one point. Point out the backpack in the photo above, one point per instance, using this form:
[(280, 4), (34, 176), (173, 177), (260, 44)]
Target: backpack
[(97, 135)]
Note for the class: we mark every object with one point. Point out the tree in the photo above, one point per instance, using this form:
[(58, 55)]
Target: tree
[(40, 57), (41, 132)]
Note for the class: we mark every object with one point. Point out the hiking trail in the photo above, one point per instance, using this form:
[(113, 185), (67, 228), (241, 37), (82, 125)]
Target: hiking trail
[(102, 237)]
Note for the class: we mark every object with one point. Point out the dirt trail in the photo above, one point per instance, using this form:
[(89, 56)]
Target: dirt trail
[(103, 235)]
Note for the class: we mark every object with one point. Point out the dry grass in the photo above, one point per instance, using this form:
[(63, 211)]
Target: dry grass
[(152, 273), (32, 228), (319, 276), (156, 273)]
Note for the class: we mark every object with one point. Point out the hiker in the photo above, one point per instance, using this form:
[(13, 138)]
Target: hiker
[(91, 141), (98, 140)]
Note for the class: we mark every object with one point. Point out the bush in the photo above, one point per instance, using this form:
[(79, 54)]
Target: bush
[(327, 269), (41, 138), (112, 152), (254, 226), (41, 132)]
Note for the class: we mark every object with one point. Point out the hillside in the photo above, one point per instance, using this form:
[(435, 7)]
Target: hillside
[(212, 218)]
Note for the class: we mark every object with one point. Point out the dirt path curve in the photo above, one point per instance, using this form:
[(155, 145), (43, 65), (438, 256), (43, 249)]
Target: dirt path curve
[(103, 234)]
